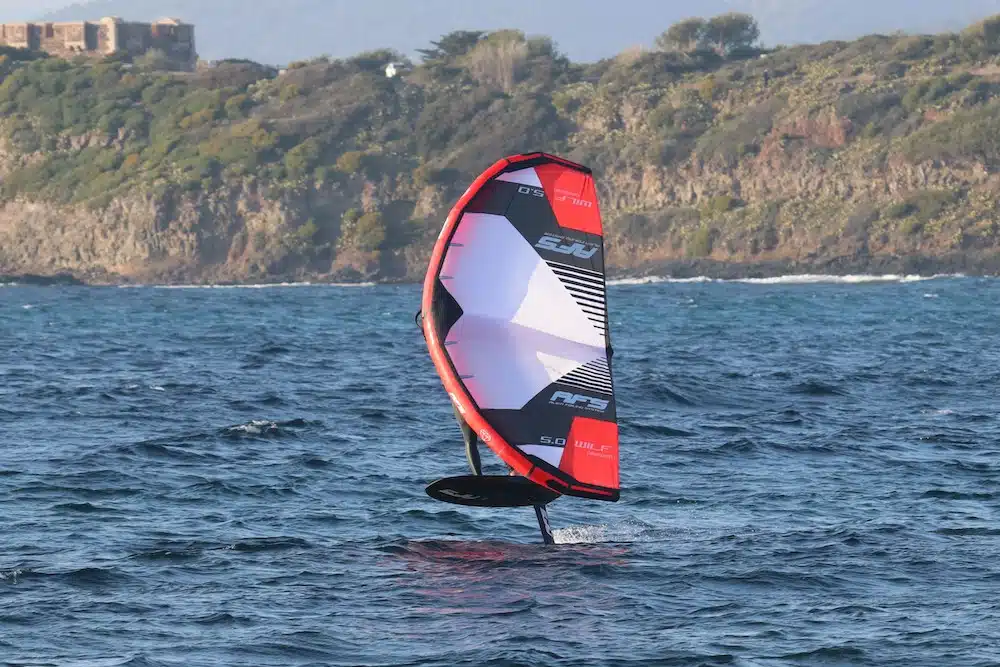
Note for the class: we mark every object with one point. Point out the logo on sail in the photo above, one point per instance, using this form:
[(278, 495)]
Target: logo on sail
[(573, 198), (592, 448), (579, 401), (567, 246)]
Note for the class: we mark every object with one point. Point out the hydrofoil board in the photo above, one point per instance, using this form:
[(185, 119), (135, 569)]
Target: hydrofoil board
[(490, 491)]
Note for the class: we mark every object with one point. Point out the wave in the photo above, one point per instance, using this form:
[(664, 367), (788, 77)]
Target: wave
[(652, 280), (792, 279), (265, 427), (623, 532), (851, 279)]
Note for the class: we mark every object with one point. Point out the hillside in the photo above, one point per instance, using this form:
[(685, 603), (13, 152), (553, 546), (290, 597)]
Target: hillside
[(279, 31), (874, 155)]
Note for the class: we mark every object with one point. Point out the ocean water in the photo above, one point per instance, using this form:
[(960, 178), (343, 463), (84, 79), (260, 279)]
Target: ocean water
[(810, 473)]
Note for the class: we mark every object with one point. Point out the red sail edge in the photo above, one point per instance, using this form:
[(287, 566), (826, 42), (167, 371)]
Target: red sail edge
[(559, 480)]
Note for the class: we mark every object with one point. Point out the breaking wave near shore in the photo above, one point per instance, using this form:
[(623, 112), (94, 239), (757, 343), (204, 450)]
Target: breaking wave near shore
[(792, 279)]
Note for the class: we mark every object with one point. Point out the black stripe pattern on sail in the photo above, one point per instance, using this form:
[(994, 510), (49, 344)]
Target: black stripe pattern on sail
[(587, 289), (592, 376)]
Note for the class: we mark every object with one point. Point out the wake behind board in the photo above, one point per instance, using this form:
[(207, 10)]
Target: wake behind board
[(516, 323), (490, 491)]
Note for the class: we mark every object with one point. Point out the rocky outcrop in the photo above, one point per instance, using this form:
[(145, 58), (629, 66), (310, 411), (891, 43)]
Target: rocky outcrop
[(797, 216)]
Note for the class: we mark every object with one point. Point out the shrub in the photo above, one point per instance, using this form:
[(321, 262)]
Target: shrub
[(987, 32), (930, 204), (237, 105), (351, 162), (369, 231), (307, 231), (911, 227), (425, 175), (197, 119), (706, 88), (302, 159), (700, 243), (972, 134), (900, 210), (924, 206), (498, 61), (740, 136), (913, 48), (131, 162), (289, 92), (721, 204), (861, 108), (154, 60)]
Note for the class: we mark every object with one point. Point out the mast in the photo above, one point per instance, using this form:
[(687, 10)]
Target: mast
[(542, 514)]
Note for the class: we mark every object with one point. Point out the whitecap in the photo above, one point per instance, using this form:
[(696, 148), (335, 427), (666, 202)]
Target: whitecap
[(11, 575), (253, 285), (626, 531), (652, 280), (850, 279), (254, 427), (793, 279)]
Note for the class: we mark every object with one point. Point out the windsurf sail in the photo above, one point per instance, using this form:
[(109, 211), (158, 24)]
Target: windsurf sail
[(516, 321)]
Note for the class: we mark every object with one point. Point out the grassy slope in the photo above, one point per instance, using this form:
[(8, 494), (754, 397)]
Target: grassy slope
[(885, 146)]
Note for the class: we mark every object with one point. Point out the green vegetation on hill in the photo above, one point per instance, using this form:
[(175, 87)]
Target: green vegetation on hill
[(706, 147)]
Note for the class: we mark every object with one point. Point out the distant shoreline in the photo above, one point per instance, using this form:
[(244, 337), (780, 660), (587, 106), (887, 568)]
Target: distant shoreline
[(876, 268), (970, 264)]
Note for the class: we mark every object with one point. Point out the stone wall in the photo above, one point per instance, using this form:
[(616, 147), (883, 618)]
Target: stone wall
[(105, 37)]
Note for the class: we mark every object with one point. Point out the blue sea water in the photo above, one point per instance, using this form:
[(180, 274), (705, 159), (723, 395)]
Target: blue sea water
[(810, 473)]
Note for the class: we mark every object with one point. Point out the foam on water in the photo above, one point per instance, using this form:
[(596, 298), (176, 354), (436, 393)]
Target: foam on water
[(618, 533), (651, 280), (254, 427), (793, 279), (253, 286), (809, 279)]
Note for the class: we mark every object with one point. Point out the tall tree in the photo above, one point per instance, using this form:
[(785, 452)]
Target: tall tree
[(452, 45), (731, 31), (988, 30), (686, 35), (498, 59)]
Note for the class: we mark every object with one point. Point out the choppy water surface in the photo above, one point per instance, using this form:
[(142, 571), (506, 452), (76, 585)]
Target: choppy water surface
[(811, 476)]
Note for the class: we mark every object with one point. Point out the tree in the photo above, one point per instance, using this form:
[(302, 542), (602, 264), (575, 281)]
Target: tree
[(351, 162), (154, 60), (734, 30), (375, 61), (686, 36), (987, 30), (303, 158), (452, 45), (497, 61), (369, 231)]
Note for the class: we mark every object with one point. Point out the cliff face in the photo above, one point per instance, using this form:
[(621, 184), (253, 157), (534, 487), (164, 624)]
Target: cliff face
[(876, 155), (809, 220)]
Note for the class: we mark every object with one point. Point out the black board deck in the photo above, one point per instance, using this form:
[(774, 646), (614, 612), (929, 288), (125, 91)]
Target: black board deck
[(490, 491)]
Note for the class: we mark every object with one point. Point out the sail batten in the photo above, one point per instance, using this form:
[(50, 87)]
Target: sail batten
[(516, 287)]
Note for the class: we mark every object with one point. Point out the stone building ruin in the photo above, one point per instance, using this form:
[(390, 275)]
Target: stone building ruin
[(109, 36)]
